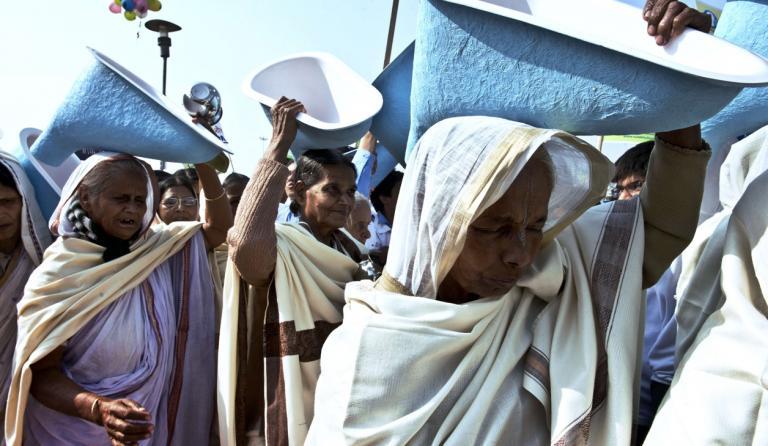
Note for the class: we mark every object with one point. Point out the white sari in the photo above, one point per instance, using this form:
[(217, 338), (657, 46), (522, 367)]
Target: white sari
[(551, 362)]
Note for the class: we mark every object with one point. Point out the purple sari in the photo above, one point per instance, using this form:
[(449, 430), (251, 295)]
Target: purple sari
[(154, 345)]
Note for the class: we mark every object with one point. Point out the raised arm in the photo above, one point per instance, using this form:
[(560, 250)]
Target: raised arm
[(252, 239), (365, 163), (671, 197), (218, 214)]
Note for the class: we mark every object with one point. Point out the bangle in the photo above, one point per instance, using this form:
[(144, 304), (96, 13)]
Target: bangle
[(713, 20), (223, 193), (95, 408)]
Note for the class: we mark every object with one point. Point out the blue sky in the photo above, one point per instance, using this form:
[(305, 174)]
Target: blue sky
[(42, 51)]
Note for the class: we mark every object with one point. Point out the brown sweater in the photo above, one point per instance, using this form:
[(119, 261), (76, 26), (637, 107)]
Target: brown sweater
[(670, 199), (252, 239)]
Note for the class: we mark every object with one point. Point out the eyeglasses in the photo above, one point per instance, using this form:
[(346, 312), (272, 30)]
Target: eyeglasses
[(172, 202), (632, 187), (615, 190)]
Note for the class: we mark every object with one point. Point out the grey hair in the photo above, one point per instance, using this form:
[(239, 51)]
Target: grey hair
[(103, 173), (360, 198)]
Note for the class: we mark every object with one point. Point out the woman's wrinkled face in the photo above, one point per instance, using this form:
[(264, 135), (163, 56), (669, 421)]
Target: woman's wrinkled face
[(120, 207), (503, 241), (329, 202), (178, 204), (358, 221)]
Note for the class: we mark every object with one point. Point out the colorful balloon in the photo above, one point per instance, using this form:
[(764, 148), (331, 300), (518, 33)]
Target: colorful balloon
[(142, 14), (128, 5), (130, 16), (154, 5), (119, 2), (141, 6), (115, 8)]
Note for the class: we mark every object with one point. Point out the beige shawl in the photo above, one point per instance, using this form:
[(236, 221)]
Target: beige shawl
[(305, 302)]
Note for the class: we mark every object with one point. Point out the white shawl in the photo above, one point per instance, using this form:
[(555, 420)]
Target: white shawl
[(719, 394), (553, 361), (697, 293), (34, 231)]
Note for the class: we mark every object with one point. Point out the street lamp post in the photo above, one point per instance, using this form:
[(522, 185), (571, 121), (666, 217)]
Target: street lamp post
[(164, 42)]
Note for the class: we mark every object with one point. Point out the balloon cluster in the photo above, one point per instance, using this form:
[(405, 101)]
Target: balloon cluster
[(134, 8)]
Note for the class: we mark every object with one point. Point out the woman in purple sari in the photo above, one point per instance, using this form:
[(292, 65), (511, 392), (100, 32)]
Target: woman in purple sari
[(117, 325)]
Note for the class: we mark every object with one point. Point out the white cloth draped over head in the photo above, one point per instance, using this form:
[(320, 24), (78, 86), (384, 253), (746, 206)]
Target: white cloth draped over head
[(697, 291), (551, 362), (60, 225), (34, 231), (35, 238), (73, 286), (448, 188), (719, 394)]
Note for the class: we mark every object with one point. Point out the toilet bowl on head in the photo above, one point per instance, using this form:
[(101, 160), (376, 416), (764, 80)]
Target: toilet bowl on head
[(587, 67), (340, 104), (110, 108)]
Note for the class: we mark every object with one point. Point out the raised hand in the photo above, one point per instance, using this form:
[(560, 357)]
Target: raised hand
[(284, 127), (668, 18)]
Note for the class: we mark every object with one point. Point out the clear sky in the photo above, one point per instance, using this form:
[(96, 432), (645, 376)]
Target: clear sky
[(42, 52)]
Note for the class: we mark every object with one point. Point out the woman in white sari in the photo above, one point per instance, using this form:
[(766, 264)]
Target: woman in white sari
[(23, 238), (116, 327), (509, 311)]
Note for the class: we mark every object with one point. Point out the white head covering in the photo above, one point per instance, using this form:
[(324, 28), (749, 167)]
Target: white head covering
[(747, 159), (460, 167), (62, 226), (34, 233)]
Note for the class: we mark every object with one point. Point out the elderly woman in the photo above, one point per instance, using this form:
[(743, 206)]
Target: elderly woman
[(297, 271), (116, 326), (510, 309), (23, 238), (359, 219)]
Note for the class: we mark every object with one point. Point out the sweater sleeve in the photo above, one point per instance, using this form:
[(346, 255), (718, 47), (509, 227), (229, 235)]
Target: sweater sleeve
[(670, 199), (252, 239)]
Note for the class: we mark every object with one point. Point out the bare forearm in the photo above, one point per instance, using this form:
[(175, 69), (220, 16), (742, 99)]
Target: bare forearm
[(52, 388), (218, 215)]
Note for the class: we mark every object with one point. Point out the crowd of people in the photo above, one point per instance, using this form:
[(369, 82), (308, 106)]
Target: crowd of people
[(488, 294)]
